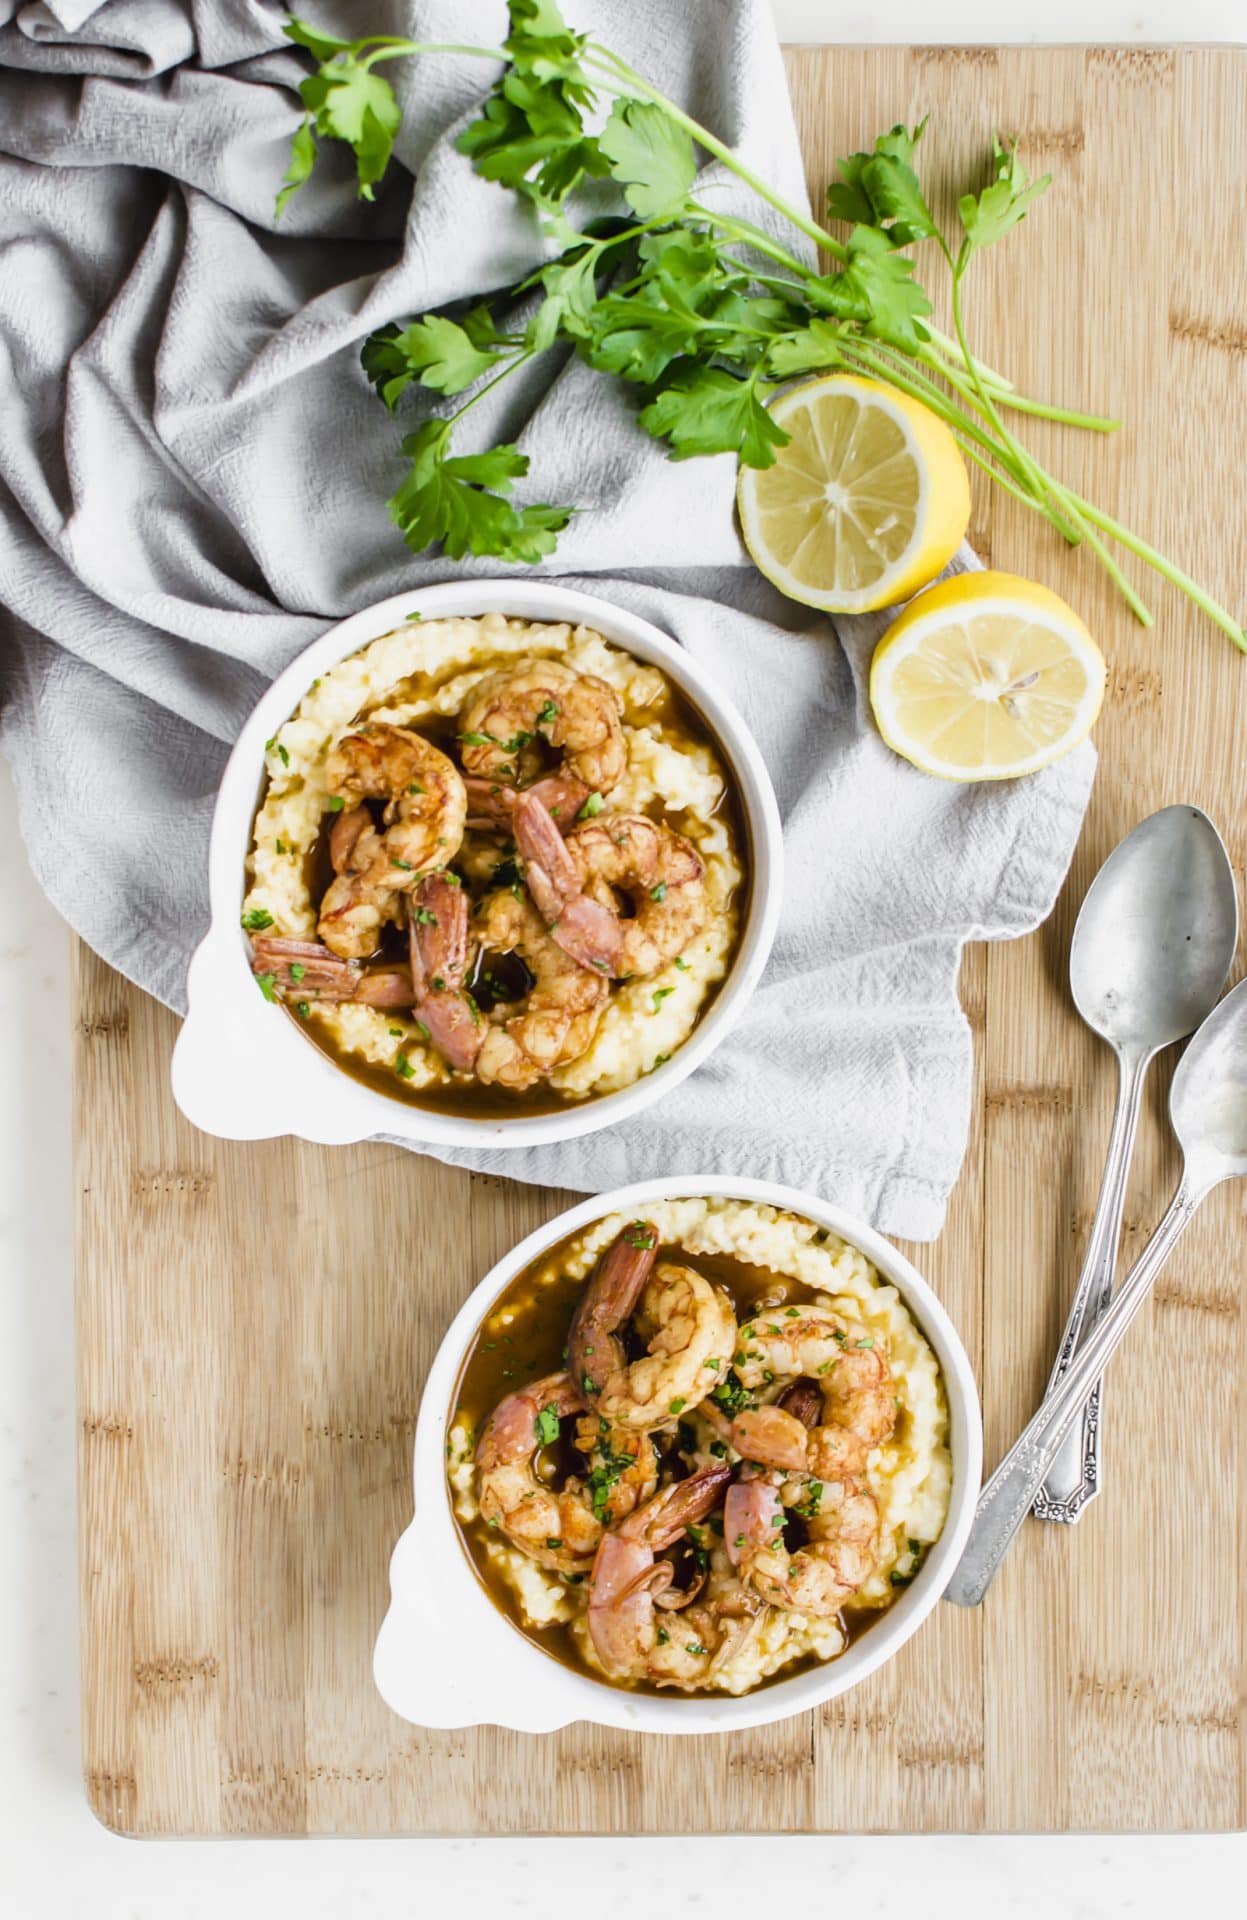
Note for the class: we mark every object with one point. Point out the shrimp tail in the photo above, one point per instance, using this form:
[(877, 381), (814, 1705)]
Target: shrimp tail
[(593, 1350)]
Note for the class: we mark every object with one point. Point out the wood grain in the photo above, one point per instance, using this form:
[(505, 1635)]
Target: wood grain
[(254, 1323)]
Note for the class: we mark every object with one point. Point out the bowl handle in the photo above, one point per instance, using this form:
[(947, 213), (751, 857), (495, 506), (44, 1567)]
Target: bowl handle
[(224, 1075), (445, 1657)]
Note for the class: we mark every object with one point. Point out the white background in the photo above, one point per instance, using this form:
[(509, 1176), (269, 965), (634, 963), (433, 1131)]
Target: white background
[(56, 1862)]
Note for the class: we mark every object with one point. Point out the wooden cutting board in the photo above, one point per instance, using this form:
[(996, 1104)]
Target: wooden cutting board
[(254, 1322)]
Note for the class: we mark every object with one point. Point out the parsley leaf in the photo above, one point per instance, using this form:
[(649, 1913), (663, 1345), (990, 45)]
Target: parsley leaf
[(349, 101), (434, 350), (881, 190), (650, 156), (302, 160), (546, 1425), (708, 410), (986, 217), (459, 501)]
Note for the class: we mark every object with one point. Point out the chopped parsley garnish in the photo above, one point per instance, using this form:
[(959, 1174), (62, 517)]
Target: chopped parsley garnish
[(663, 1636), (639, 1235), (281, 846), (303, 1008), (548, 712), (676, 1406), (864, 1343), (423, 918), (414, 616), (478, 740), (546, 1425), (694, 1646), (554, 1545), (403, 1067), (422, 1030), (659, 892), (336, 803), (660, 1060), (591, 808), (297, 971), (415, 787), (257, 920), (730, 1394), (661, 994), (405, 865), (267, 983), (681, 963), (713, 1364)]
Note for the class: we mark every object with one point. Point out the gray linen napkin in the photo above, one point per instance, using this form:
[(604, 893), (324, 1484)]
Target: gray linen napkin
[(192, 482)]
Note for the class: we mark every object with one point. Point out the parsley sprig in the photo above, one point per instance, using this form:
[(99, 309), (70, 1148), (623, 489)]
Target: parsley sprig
[(703, 311)]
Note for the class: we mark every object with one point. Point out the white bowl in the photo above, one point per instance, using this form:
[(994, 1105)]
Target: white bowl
[(446, 1657), (245, 1072)]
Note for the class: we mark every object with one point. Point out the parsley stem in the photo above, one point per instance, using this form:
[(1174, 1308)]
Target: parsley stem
[(886, 363), (386, 49), (1135, 544), (1038, 480), (509, 367), (636, 83)]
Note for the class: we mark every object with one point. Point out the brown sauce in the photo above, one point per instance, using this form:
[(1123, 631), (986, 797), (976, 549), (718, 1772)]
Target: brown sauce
[(684, 727), (504, 1358)]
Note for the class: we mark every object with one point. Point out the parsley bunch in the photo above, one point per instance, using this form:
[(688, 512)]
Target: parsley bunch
[(703, 312)]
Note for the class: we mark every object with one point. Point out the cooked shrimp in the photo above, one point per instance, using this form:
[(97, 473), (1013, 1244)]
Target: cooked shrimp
[(574, 712), (594, 1352), (577, 882), (558, 1528), (438, 940), (627, 1577), (842, 1525), (690, 1331), (353, 910), (850, 1369), (491, 803), (423, 821), (558, 1017), (425, 802), (304, 970)]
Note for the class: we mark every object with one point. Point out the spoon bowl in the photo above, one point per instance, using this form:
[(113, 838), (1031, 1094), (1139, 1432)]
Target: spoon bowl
[(1208, 1098), (1156, 932)]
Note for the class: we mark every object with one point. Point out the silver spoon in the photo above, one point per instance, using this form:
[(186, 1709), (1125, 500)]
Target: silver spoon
[(1152, 947), (1208, 1107)]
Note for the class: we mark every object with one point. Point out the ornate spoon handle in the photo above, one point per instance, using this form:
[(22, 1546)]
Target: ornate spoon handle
[(1074, 1476), (1007, 1497)]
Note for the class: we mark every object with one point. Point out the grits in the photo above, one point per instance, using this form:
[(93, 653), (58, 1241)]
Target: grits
[(425, 673), (909, 1474)]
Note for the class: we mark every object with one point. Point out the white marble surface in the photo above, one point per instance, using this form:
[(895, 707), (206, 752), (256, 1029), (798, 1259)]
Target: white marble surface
[(57, 1862)]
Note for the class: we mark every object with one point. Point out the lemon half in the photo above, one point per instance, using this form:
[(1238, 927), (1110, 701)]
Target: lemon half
[(986, 677), (868, 501)]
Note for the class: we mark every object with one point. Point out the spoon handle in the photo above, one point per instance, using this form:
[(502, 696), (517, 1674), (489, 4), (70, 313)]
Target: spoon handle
[(1006, 1499), (1074, 1477)]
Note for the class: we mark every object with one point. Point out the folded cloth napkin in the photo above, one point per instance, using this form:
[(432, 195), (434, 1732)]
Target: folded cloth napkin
[(193, 472)]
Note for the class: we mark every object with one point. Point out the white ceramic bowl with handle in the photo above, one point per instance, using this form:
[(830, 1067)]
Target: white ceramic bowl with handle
[(244, 1071), (447, 1657)]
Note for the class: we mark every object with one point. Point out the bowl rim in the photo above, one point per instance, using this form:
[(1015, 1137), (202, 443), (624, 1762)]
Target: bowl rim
[(303, 1092), (532, 1692)]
